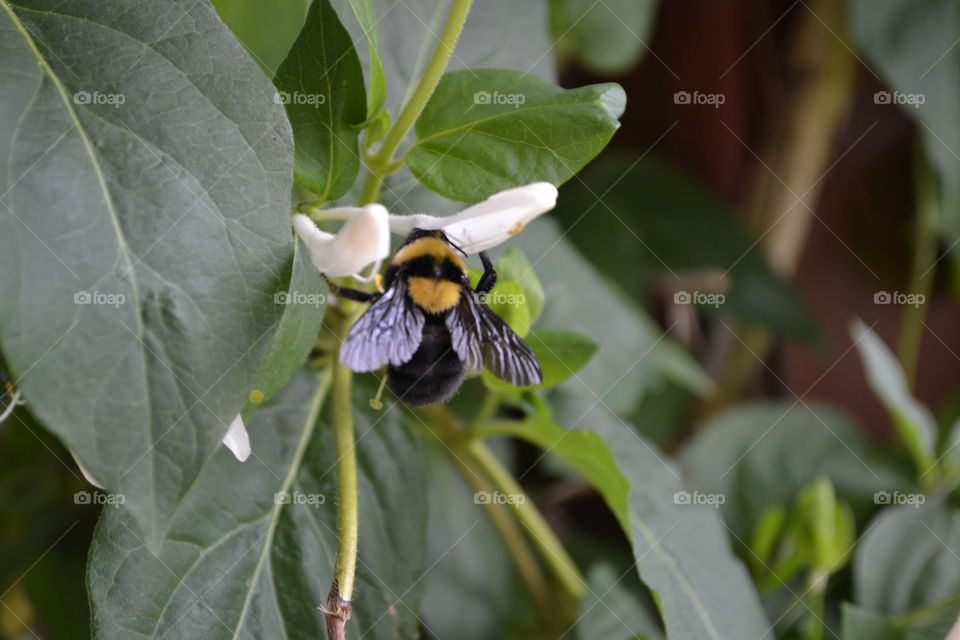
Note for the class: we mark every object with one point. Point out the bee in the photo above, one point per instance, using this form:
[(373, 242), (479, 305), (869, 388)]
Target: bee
[(427, 326)]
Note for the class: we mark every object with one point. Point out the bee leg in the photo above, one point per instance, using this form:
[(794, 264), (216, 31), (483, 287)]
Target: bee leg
[(350, 294), (489, 277)]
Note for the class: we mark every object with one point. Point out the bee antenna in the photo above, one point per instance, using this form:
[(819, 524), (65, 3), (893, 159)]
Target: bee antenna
[(454, 245)]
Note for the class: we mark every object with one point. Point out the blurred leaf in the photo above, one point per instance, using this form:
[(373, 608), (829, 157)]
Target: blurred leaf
[(266, 29), (913, 47), (507, 300), (321, 84), (761, 454), (487, 130), (860, 623), (672, 229), (634, 355), (908, 558), (239, 562), (611, 611), (473, 591), (914, 421), (607, 37), (150, 232), (681, 550), (560, 353), (582, 449), (497, 34), (513, 265), (365, 13), (297, 330)]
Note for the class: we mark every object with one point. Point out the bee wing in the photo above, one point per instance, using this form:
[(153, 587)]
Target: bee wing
[(465, 323), (481, 338), (389, 331)]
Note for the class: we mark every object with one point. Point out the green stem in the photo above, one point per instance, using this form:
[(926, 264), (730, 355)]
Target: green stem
[(382, 163), (517, 545), (541, 534), (921, 275), (815, 601), (338, 602)]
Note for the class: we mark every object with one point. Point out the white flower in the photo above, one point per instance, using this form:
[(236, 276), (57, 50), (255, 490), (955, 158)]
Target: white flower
[(364, 239), (237, 439), (488, 223)]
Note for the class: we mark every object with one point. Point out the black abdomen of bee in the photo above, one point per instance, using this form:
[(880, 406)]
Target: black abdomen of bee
[(435, 371)]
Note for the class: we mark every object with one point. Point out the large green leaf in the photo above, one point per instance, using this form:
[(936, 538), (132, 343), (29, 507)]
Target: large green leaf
[(682, 550), (634, 355), (912, 46), (143, 233), (297, 330), (367, 19), (486, 130), (611, 609), (606, 37), (238, 561), (673, 229), (497, 34), (321, 84), (761, 454), (908, 558), (914, 421)]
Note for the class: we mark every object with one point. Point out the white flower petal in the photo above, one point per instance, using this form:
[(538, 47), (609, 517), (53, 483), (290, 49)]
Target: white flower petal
[(488, 223), (362, 240), (237, 439)]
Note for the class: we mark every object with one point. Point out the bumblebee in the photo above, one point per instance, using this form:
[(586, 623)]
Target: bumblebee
[(428, 326)]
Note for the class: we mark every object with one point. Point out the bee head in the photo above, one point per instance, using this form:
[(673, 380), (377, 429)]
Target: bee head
[(418, 233)]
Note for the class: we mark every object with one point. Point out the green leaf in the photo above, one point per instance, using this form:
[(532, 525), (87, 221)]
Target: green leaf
[(367, 19), (633, 355), (582, 449), (681, 238), (911, 46), (513, 265), (296, 332), (321, 84), (143, 234), (560, 353), (859, 623), (612, 610), (914, 421), (762, 454), (240, 562), (486, 130), (473, 591), (266, 29), (607, 37), (681, 550), (496, 34), (907, 558)]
